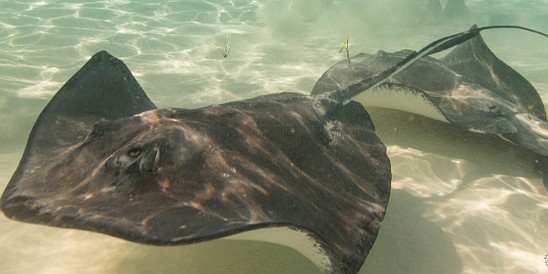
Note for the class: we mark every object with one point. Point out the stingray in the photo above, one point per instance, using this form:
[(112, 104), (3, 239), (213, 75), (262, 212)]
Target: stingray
[(469, 87), (101, 157)]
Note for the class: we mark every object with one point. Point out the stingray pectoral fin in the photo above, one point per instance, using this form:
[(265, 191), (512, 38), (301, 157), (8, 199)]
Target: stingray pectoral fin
[(474, 60), (156, 219), (297, 239), (531, 133), (536, 125), (103, 89), (183, 225)]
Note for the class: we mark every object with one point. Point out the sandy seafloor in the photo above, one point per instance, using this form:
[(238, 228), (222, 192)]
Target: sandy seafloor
[(461, 203)]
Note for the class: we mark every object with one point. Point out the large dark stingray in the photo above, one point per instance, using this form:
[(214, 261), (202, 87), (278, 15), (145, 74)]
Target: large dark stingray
[(102, 157), (469, 87)]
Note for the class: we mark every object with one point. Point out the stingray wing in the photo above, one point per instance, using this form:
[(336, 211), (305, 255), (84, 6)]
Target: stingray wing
[(103, 89), (475, 61)]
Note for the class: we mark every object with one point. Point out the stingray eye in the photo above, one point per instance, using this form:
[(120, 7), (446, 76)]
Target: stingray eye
[(134, 152)]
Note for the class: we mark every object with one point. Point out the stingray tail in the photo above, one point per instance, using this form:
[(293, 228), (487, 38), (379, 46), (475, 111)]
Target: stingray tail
[(347, 93)]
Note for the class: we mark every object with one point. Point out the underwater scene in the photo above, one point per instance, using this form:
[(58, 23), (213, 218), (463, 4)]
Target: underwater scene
[(466, 174)]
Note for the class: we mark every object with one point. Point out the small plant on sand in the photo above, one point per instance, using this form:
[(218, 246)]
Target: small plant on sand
[(345, 47), (225, 48)]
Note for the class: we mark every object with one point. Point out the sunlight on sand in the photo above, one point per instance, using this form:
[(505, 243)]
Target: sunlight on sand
[(496, 222)]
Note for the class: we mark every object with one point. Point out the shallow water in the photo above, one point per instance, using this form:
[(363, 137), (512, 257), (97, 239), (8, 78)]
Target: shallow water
[(461, 203)]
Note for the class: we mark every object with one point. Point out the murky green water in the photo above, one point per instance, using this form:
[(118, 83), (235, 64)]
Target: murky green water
[(461, 203)]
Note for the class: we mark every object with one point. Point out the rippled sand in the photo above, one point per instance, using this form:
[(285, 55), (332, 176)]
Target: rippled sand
[(461, 203)]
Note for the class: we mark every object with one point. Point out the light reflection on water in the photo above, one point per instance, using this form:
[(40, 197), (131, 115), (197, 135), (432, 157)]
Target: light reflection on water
[(451, 209)]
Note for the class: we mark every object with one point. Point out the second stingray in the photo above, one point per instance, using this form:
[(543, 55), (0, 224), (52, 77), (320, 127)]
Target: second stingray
[(470, 87)]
